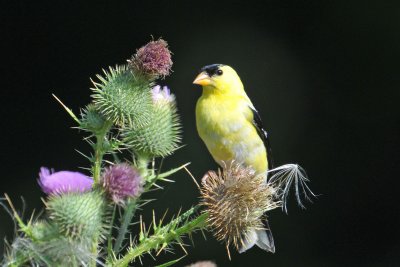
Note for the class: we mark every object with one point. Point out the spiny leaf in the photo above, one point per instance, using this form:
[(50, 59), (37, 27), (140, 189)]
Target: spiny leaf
[(170, 262), (162, 176), (69, 111)]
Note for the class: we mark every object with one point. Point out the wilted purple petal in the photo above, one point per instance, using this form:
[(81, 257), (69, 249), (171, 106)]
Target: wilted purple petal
[(163, 94), (166, 91), (63, 181)]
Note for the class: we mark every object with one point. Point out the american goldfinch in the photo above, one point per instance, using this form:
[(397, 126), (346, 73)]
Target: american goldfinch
[(231, 128), (228, 122)]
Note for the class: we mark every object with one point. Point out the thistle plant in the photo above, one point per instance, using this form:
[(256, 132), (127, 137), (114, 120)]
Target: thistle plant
[(130, 121)]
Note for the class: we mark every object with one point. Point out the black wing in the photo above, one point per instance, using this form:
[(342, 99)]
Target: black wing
[(263, 135)]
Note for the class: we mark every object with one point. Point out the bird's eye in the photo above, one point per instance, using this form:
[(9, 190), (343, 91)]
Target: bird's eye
[(219, 72)]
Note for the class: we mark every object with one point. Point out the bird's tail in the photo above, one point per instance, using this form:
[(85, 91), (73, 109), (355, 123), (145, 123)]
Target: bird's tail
[(261, 237)]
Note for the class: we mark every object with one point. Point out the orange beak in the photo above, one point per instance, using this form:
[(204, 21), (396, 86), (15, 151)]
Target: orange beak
[(202, 79)]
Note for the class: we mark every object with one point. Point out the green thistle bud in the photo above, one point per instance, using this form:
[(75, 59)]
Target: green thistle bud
[(160, 137), (57, 251), (64, 252), (78, 216), (92, 120), (43, 231), (122, 97)]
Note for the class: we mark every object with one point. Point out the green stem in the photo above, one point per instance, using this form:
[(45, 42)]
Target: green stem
[(93, 262), (126, 220), (156, 241), (142, 165), (98, 157), (99, 151), (109, 237)]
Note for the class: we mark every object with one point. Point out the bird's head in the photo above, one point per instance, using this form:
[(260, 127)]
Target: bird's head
[(219, 78)]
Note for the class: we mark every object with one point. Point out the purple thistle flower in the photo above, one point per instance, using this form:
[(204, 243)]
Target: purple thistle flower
[(153, 59), (121, 181), (63, 181), (162, 94)]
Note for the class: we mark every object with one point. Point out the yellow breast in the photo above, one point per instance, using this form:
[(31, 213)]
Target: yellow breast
[(225, 126)]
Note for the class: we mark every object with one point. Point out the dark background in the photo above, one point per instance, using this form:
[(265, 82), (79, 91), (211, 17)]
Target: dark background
[(324, 76)]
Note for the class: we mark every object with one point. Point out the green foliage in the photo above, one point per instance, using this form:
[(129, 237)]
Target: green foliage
[(164, 235), (78, 216), (160, 137), (66, 239), (122, 97), (54, 252)]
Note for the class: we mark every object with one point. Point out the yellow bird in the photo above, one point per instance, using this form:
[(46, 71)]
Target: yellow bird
[(231, 128), (228, 122)]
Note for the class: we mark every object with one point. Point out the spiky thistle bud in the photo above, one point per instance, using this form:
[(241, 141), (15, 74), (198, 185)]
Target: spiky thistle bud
[(236, 200), (63, 181), (122, 181), (60, 251), (160, 137), (152, 60), (123, 98), (77, 216), (93, 121)]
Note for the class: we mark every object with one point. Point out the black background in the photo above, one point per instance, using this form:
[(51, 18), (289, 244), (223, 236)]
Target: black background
[(324, 76)]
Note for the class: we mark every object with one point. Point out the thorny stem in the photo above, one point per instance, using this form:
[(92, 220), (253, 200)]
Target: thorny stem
[(95, 242), (126, 219), (98, 158), (99, 151), (142, 165), (157, 241), (109, 237)]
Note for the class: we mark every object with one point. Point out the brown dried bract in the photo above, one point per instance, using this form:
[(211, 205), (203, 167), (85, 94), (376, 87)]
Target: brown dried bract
[(236, 199)]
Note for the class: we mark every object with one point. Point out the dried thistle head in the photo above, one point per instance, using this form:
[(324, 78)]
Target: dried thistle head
[(236, 200), (152, 60)]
